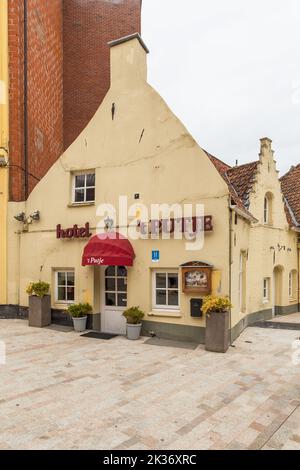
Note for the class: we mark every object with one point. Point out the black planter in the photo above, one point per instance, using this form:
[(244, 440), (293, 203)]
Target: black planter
[(39, 311), (217, 332)]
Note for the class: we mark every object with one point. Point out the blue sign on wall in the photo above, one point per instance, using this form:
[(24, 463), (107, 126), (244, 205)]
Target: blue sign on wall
[(155, 256)]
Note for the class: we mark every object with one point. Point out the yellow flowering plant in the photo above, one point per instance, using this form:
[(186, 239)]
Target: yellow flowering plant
[(216, 304)]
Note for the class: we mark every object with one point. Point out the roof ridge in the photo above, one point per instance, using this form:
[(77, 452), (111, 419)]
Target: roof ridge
[(244, 165), (216, 158)]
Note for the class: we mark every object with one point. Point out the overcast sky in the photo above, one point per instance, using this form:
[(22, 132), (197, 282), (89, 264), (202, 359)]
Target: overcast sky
[(230, 70)]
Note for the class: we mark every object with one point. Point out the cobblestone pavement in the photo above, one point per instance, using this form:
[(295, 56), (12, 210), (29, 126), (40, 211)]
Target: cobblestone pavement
[(61, 391)]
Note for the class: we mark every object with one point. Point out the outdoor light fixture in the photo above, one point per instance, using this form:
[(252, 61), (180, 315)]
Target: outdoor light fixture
[(35, 216), (3, 161), (109, 223), (21, 217)]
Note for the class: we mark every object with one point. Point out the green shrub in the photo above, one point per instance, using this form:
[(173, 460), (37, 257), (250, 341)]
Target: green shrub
[(79, 310), (134, 315), (216, 304), (38, 289)]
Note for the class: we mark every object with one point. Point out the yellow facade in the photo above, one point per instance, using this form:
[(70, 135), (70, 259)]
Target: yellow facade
[(4, 139), (136, 146)]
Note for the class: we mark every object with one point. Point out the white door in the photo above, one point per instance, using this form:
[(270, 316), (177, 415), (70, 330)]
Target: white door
[(114, 299)]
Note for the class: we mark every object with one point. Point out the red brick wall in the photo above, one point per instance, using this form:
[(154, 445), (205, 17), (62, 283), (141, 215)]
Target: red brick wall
[(45, 91), (68, 75), (88, 27), (16, 122)]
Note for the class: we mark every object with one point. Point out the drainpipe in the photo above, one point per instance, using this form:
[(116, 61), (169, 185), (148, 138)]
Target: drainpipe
[(298, 257), (230, 261), (26, 179)]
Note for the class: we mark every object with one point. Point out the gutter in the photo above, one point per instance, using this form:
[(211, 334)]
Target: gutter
[(243, 214)]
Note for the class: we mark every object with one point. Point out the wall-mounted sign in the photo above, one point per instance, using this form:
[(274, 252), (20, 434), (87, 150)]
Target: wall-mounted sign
[(75, 232), (197, 278), (155, 256), (194, 224)]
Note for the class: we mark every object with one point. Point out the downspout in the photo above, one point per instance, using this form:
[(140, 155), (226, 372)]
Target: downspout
[(298, 257), (26, 179), (230, 273)]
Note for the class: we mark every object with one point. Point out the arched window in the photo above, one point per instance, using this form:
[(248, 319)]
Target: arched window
[(268, 209)]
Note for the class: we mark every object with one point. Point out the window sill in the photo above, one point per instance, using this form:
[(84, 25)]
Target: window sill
[(62, 306), (165, 313), (265, 302), (81, 204)]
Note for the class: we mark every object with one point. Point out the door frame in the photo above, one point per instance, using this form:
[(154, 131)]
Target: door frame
[(103, 307)]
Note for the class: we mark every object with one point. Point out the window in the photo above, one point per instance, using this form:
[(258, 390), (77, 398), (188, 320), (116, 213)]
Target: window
[(268, 209), (266, 290), (65, 286), (116, 286), (84, 188), (293, 285), (166, 290)]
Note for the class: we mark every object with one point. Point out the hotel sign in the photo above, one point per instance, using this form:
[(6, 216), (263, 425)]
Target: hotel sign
[(75, 232)]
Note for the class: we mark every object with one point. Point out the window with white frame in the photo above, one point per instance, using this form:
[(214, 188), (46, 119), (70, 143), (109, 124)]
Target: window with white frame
[(268, 209), (84, 187), (266, 290), (293, 284), (166, 289), (65, 286)]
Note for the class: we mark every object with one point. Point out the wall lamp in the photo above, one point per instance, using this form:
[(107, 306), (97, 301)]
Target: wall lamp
[(34, 217)]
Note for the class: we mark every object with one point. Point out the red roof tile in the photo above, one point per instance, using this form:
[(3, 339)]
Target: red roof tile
[(240, 181), (290, 185)]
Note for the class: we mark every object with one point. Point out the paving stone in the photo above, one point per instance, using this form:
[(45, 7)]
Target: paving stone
[(61, 391)]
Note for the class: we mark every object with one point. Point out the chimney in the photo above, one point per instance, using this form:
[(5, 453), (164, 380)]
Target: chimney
[(128, 61), (266, 153)]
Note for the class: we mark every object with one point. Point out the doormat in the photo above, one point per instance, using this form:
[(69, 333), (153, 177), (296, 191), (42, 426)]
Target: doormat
[(277, 325), (96, 335), (60, 328), (167, 343)]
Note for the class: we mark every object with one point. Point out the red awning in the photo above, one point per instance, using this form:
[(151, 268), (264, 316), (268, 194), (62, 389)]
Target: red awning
[(108, 249)]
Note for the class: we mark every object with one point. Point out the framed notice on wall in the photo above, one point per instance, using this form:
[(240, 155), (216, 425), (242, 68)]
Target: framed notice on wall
[(197, 278)]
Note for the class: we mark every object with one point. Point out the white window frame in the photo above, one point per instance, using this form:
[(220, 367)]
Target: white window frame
[(116, 292), (65, 272), (266, 289), (85, 187), (266, 210), (156, 307), (293, 283)]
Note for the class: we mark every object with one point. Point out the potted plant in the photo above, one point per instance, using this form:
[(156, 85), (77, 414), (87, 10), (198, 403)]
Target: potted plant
[(79, 313), (39, 304), (134, 318), (217, 310)]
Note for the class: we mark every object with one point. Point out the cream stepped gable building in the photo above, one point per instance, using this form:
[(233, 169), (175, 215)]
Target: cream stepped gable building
[(135, 147)]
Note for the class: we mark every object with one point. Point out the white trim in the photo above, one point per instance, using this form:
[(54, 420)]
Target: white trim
[(65, 272), (163, 308), (85, 187), (266, 290)]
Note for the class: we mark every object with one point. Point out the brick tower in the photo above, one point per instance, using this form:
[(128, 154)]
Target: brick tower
[(59, 74)]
